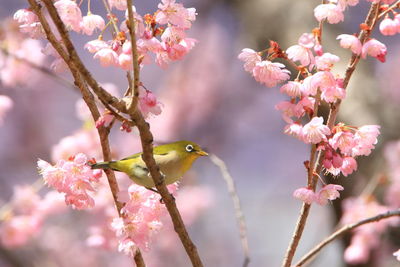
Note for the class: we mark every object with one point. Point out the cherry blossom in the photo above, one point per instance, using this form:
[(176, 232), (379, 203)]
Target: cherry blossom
[(374, 48), (315, 131), (74, 178), (305, 194), (270, 73), (175, 13), (70, 14), (350, 42), (250, 57), (302, 51), (90, 22), (328, 192), (331, 12)]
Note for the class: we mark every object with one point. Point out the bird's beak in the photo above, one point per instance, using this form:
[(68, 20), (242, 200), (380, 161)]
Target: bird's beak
[(201, 153)]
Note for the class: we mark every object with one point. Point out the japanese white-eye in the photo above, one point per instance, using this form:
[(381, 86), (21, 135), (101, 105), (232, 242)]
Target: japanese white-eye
[(174, 159)]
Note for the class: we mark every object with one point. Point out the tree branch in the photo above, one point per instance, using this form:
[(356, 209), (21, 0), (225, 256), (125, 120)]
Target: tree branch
[(236, 203), (363, 36), (343, 230)]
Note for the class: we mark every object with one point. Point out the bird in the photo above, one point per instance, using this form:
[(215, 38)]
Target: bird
[(174, 160)]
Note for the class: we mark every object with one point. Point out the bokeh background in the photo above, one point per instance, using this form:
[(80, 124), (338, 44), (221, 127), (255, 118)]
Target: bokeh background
[(209, 99)]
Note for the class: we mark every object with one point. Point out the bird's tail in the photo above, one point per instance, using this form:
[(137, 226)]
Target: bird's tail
[(101, 165)]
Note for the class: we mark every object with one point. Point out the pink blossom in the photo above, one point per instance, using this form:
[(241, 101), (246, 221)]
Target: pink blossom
[(74, 178), (349, 166), (357, 252), (328, 192), (309, 87), (70, 14), (366, 137), (306, 40), (104, 120), (397, 254), (270, 73), (148, 103), (351, 42), (91, 22), (305, 194), (333, 93), (18, 230), (289, 110), (5, 105), (344, 140), (344, 3), (293, 129), (326, 61), (23, 49), (125, 61), (323, 79), (29, 23), (118, 4), (374, 48), (331, 12), (175, 13), (107, 57), (95, 45), (315, 131), (142, 219), (389, 26), (250, 58), (292, 89), (300, 53)]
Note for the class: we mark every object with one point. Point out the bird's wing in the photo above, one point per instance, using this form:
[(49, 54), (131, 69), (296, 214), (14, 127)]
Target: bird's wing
[(133, 156)]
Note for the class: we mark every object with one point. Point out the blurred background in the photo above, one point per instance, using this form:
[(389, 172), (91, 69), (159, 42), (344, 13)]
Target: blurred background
[(208, 98)]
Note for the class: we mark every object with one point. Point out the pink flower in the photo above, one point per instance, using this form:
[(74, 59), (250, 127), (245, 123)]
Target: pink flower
[(70, 14), (315, 131), (328, 192), (91, 22), (118, 4), (349, 166), (250, 58), (351, 42), (125, 61), (5, 105), (95, 45), (357, 252), (333, 93), (29, 23), (389, 26), (344, 140), (344, 3), (18, 230), (305, 194), (374, 48), (270, 73), (331, 12), (292, 89), (174, 13), (73, 178), (397, 254), (326, 61), (148, 103), (366, 137), (294, 129), (142, 219), (289, 110), (107, 57), (104, 120), (302, 51)]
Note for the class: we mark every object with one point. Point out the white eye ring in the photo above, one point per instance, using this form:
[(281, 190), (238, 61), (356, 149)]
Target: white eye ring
[(189, 148)]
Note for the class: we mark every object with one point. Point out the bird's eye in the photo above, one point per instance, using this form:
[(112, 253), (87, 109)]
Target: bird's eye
[(189, 148)]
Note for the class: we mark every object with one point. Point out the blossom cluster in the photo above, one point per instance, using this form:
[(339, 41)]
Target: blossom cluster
[(140, 220), (314, 85), (72, 177), (25, 215), (162, 33)]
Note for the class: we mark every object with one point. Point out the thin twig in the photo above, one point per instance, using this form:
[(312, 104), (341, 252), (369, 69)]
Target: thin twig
[(341, 231), (363, 36), (236, 203), (134, 84)]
